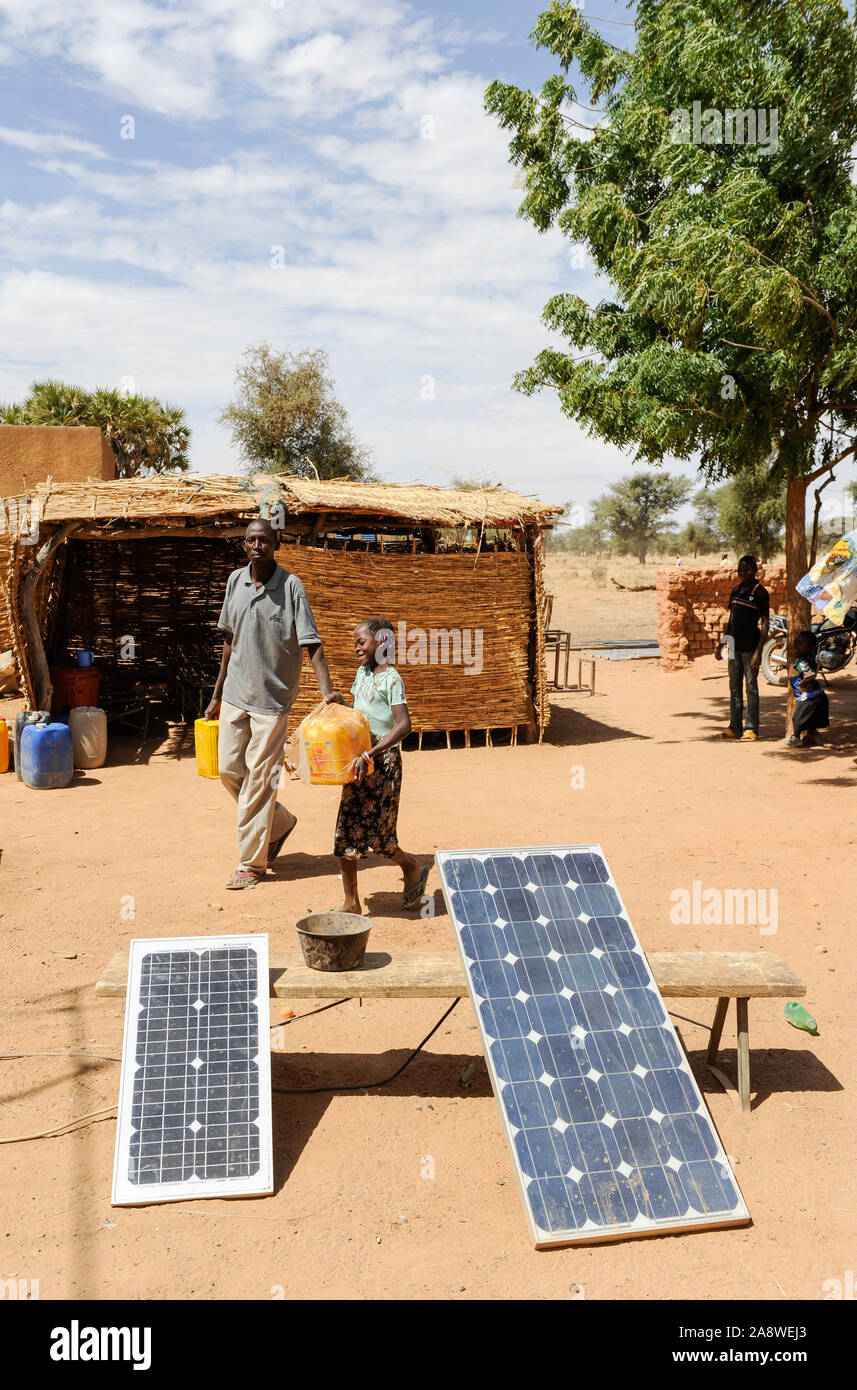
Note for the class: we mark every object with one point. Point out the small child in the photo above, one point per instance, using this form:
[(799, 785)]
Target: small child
[(811, 710), (370, 805)]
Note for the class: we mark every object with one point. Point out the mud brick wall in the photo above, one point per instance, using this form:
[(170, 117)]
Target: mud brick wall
[(692, 608)]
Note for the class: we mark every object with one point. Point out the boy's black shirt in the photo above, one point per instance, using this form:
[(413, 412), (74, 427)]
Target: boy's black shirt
[(749, 602)]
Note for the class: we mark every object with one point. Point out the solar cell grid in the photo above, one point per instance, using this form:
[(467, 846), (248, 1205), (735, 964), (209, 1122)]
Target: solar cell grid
[(601, 1109), (195, 1089)]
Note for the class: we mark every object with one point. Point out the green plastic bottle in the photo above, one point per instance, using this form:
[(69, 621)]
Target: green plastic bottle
[(799, 1017)]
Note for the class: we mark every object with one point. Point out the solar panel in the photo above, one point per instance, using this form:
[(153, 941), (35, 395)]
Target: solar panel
[(195, 1089), (604, 1119)]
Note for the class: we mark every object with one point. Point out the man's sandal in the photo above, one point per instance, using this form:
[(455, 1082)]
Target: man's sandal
[(276, 845), (245, 878)]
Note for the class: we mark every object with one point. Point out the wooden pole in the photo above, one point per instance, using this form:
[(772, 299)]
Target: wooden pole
[(156, 533), (43, 686)]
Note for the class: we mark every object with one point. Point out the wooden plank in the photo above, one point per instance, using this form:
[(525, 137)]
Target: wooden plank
[(412, 975), (438, 975), (724, 974)]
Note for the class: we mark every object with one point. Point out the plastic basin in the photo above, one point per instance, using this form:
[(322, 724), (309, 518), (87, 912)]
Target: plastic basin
[(333, 940)]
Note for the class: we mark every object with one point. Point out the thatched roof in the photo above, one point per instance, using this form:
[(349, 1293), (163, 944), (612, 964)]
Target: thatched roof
[(198, 496)]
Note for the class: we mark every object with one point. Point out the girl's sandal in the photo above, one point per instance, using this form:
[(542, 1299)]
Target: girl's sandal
[(245, 878), (413, 894)]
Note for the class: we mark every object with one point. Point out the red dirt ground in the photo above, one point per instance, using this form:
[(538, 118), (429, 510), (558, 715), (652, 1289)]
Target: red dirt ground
[(352, 1216)]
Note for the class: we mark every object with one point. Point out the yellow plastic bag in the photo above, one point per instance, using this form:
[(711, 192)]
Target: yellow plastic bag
[(326, 745)]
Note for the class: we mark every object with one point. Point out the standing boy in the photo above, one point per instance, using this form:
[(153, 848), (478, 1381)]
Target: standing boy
[(267, 622), (745, 636)]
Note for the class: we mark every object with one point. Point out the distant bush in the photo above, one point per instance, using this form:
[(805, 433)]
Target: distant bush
[(598, 575)]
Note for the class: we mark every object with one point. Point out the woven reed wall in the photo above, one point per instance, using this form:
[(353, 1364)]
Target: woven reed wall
[(163, 592), (5, 620)]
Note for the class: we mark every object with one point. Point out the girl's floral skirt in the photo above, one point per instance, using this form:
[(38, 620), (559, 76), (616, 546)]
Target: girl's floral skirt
[(369, 809)]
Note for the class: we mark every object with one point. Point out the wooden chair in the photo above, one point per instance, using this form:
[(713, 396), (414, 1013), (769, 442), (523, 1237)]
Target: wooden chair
[(557, 645)]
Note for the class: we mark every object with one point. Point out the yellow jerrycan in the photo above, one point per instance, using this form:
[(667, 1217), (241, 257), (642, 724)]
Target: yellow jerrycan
[(333, 736), (205, 744)]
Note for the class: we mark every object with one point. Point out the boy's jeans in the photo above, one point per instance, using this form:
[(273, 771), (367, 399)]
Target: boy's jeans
[(741, 670)]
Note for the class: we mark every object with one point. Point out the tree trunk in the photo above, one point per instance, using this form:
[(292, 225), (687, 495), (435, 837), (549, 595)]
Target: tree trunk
[(796, 568), (816, 512), (27, 606)]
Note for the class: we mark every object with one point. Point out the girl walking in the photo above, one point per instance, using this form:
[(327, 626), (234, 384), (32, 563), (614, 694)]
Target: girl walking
[(370, 805)]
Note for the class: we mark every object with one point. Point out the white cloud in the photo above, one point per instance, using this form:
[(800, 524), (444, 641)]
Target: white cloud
[(49, 142), (299, 127)]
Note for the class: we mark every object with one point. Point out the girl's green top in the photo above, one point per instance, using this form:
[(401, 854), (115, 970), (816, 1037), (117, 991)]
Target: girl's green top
[(375, 694)]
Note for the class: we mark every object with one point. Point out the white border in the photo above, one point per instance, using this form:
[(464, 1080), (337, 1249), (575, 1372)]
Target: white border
[(588, 1234), (126, 1193)]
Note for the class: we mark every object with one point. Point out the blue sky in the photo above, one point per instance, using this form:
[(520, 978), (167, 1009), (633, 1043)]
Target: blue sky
[(279, 187), (297, 125)]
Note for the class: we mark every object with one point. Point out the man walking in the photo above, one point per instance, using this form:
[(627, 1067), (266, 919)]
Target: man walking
[(745, 636), (267, 622)]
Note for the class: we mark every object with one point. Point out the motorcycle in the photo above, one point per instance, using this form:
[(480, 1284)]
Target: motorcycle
[(836, 646)]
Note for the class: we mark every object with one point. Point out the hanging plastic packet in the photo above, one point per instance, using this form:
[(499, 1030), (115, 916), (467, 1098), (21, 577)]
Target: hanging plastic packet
[(831, 584)]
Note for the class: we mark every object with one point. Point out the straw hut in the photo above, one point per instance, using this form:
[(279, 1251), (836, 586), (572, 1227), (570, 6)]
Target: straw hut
[(135, 570)]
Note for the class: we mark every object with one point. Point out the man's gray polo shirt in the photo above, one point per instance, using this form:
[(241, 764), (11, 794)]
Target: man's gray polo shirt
[(269, 627)]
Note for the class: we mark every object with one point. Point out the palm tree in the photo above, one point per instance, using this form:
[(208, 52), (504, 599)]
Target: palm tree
[(145, 435), (53, 402)]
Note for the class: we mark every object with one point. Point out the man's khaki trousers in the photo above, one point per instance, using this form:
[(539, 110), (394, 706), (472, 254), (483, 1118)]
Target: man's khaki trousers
[(250, 759)]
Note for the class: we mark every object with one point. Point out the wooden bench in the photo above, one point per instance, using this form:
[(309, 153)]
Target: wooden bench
[(720, 975)]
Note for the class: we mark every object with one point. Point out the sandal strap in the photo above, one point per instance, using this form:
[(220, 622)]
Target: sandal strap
[(245, 876)]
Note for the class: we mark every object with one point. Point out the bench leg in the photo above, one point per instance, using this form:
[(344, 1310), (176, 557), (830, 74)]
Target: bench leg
[(716, 1031), (743, 1055)]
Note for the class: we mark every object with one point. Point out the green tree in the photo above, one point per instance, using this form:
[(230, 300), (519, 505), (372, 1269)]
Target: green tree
[(695, 538), (286, 418), (588, 538), (705, 515), (729, 337), (751, 513), (473, 482), (146, 435), (635, 511)]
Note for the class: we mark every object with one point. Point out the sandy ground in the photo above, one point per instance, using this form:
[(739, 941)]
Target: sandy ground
[(352, 1215)]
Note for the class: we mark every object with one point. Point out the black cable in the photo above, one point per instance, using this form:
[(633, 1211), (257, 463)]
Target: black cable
[(684, 1019), (311, 1012), (369, 1085)]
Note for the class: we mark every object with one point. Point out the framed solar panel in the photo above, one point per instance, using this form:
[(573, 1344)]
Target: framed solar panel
[(195, 1088), (607, 1128)]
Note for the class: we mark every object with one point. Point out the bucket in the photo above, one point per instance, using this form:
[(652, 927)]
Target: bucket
[(333, 940), (73, 686)]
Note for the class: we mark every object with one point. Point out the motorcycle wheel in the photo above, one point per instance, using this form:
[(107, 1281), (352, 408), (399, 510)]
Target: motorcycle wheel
[(774, 673)]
